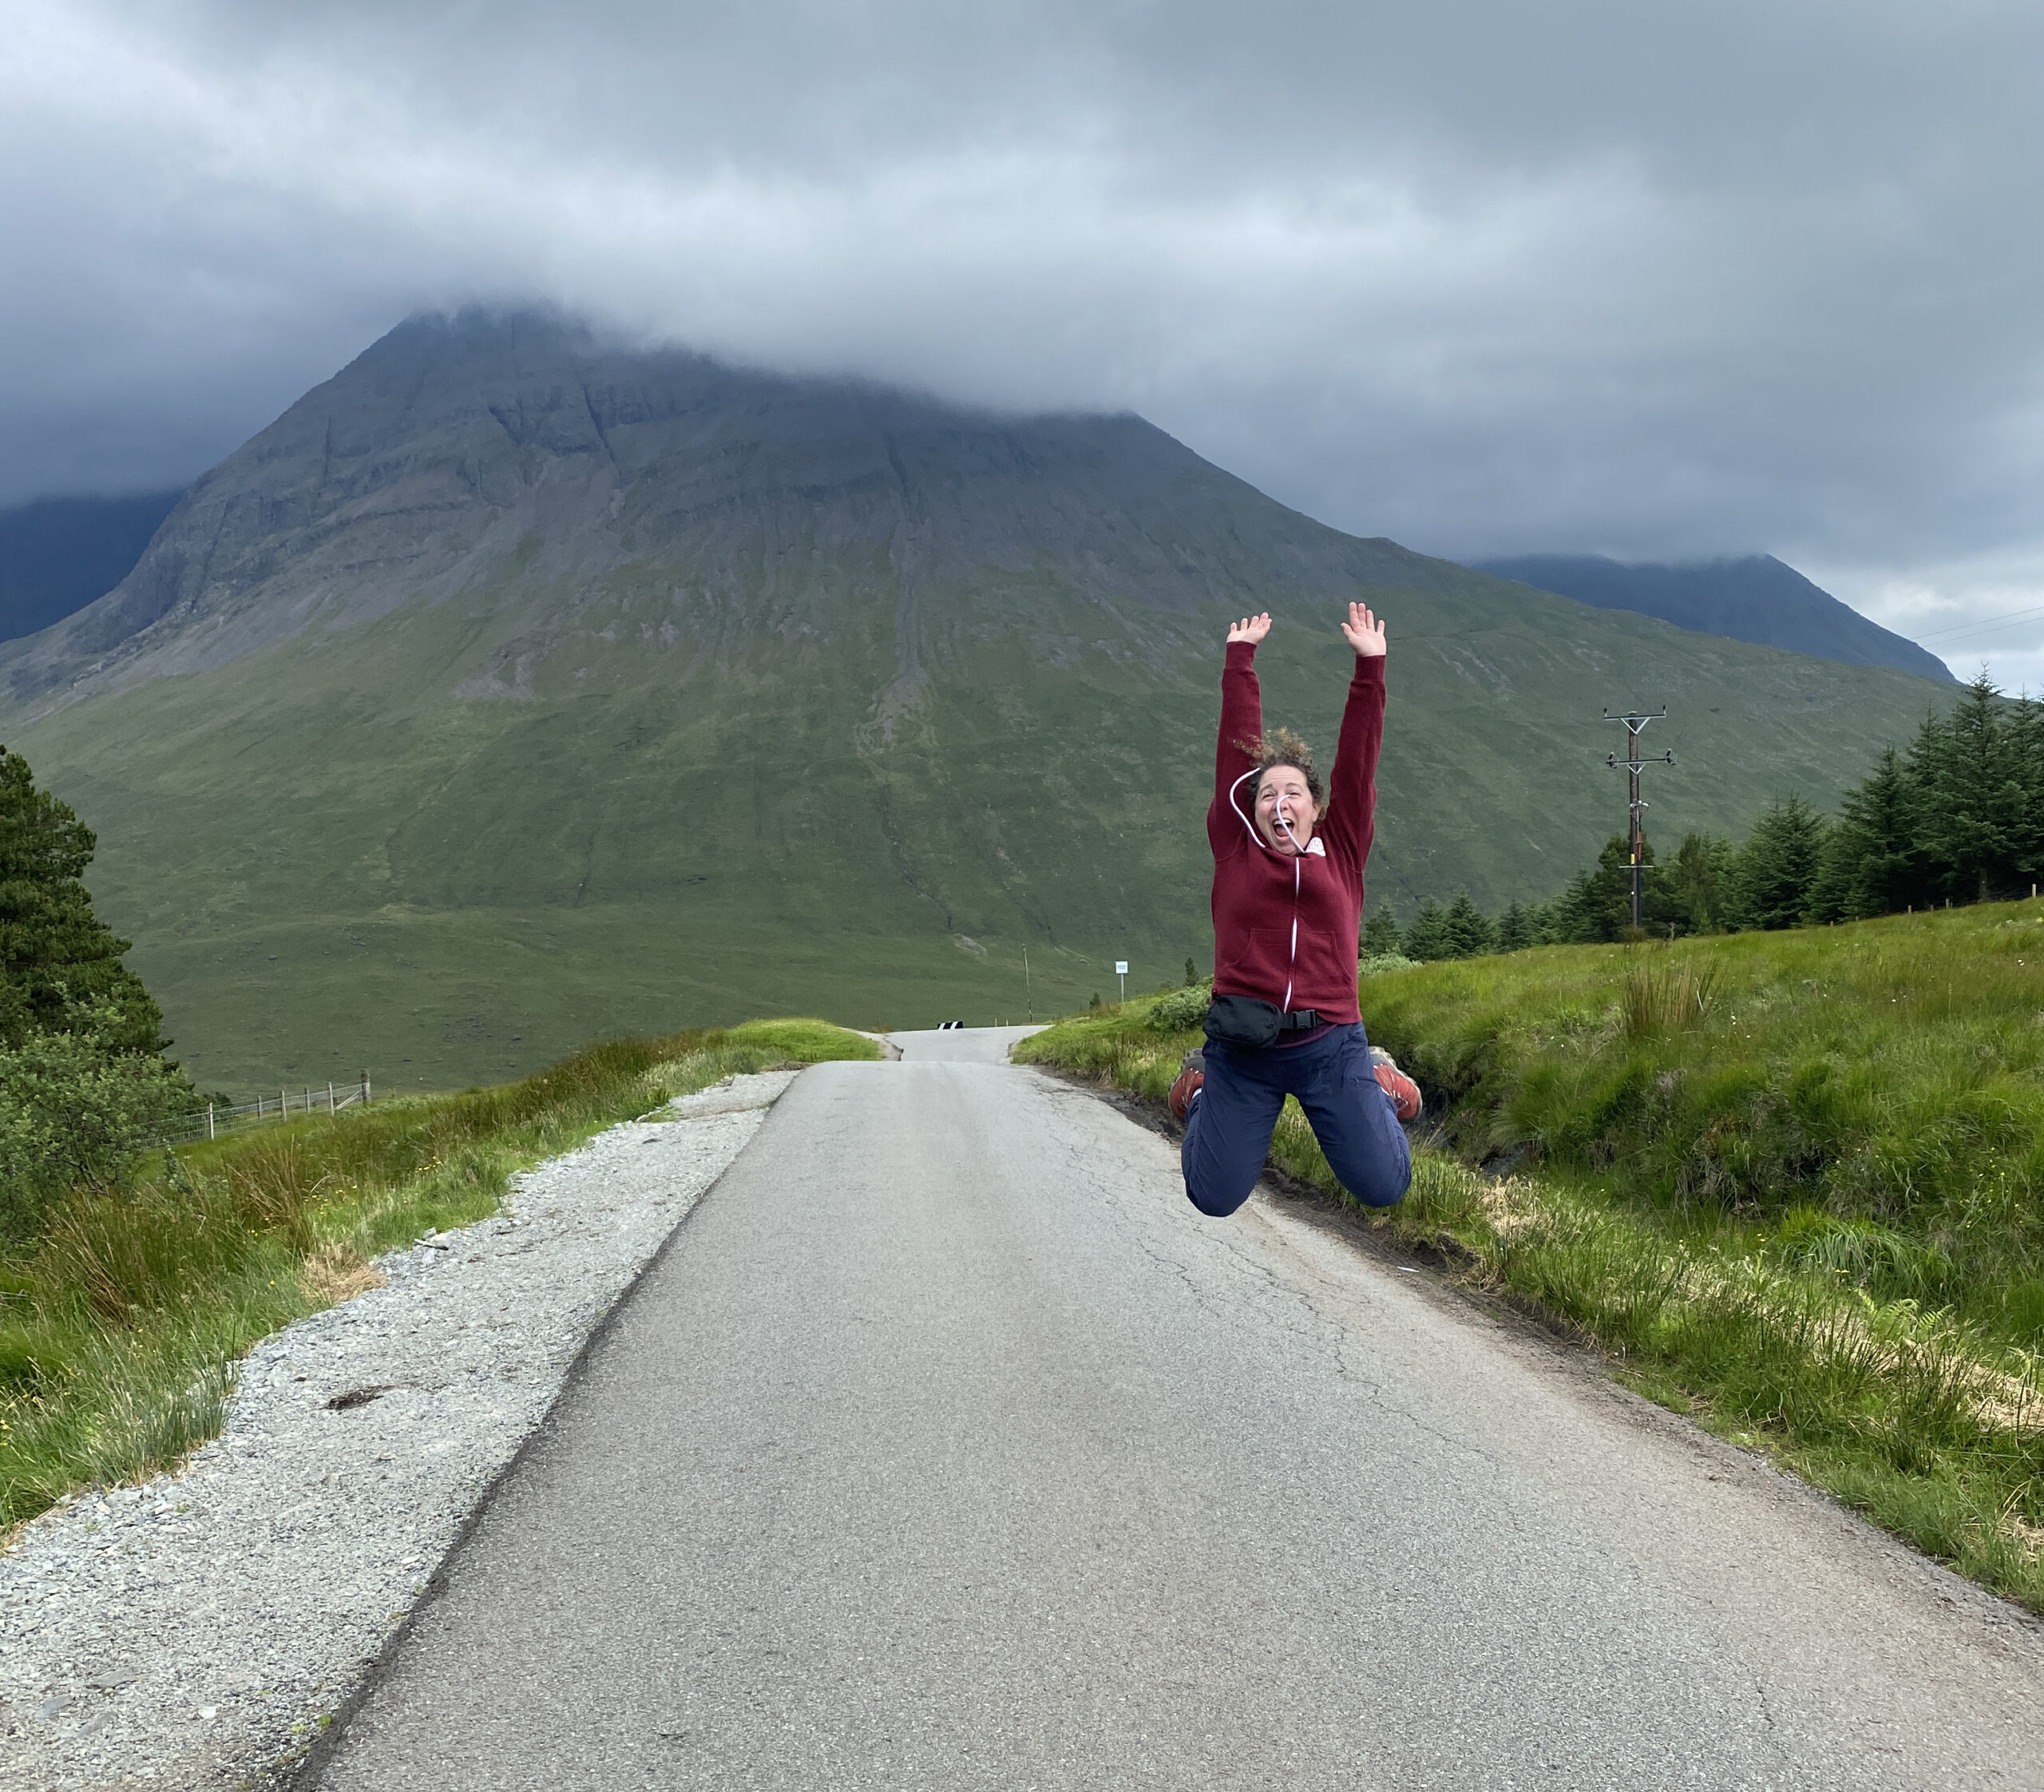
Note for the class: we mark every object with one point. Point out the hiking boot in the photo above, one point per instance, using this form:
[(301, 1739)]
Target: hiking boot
[(1403, 1091), (1192, 1079)]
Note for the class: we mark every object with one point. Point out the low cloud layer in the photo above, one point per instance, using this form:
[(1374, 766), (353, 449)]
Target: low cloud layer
[(1652, 280)]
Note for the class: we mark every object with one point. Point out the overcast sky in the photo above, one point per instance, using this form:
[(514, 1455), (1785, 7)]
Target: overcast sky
[(1649, 279)]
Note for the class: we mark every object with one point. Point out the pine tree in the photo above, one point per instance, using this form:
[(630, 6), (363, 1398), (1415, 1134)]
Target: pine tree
[(1608, 898), (1469, 932), (1517, 928), (1873, 864), (83, 1085), (1776, 871), (1695, 891), (2024, 720), (1596, 908), (1571, 917), (1381, 936), (57, 958), (1831, 889), (1427, 938), (1971, 824)]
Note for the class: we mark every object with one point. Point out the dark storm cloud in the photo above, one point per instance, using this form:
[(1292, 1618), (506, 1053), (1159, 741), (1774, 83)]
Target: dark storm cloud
[(1655, 280)]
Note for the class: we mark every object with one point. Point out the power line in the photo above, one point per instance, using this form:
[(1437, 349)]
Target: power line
[(2007, 617), (1958, 642)]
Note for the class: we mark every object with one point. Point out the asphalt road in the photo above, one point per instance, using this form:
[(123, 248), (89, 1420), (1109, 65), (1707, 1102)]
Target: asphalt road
[(946, 1446)]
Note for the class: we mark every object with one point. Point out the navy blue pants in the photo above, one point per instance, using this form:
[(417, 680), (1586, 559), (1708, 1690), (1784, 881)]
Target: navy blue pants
[(1227, 1134)]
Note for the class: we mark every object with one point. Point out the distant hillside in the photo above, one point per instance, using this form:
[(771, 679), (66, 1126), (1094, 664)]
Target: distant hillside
[(512, 687), (58, 554), (1755, 598)]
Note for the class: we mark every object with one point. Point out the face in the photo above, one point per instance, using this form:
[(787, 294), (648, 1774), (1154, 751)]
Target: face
[(1282, 790)]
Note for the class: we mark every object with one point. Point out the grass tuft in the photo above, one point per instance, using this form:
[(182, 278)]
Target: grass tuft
[(1661, 995)]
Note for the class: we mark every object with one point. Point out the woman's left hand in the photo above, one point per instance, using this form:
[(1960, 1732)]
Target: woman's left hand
[(1365, 632)]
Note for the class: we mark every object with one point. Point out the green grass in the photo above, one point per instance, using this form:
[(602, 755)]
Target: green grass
[(121, 1325), (1789, 1183), (1872, 1095)]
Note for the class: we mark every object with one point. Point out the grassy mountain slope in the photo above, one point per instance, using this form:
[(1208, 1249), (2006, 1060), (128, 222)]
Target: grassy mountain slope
[(512, 688)]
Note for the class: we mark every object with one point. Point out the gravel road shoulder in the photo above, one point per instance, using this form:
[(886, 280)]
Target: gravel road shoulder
[(197, 1630)]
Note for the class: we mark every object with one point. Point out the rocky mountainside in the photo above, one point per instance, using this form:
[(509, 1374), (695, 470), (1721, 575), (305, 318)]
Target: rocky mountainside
[(514, 686), (1753, 597), (484, 451)]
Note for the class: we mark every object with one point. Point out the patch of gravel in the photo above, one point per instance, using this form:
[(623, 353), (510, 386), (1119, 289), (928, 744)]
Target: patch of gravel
[(196, 1631)]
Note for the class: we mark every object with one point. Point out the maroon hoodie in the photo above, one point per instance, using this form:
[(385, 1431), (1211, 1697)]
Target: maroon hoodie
[(1285, 927)]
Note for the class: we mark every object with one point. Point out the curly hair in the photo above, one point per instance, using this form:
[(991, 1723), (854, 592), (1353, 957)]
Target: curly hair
[(1284, 747)]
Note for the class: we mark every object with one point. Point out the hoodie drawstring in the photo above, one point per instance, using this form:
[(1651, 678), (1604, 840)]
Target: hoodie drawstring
[(1291, 969)]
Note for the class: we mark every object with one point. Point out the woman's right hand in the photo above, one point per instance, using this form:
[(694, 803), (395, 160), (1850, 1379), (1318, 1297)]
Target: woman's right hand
[(1251, 629)]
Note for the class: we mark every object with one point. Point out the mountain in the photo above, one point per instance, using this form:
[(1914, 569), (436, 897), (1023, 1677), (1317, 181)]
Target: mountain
[(58, 554), (1752, 598), (515, 685)]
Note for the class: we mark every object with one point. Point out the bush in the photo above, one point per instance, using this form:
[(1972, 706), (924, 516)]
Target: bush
[(1378, 963), (1183, 1010), (74, 1113)]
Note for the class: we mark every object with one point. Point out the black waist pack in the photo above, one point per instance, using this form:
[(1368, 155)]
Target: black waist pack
[(1244, 1020)]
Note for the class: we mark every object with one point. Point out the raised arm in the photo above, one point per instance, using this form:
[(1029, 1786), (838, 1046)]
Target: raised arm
[(1351, 818), (1241, 719)]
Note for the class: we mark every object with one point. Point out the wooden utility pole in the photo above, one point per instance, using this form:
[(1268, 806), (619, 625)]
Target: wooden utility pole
[(1635, 721)]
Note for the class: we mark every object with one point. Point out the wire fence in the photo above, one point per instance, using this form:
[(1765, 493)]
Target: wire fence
[(219, 1117)]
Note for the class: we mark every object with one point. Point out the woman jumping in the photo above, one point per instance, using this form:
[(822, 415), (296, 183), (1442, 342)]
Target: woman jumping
[(1288, 907)]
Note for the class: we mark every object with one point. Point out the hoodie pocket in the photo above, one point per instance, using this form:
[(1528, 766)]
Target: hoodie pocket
[(1265, 953), (1320, 965)]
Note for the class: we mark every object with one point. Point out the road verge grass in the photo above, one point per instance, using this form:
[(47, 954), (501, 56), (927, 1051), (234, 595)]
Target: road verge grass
[(1789, 1184), (121, 1321)]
